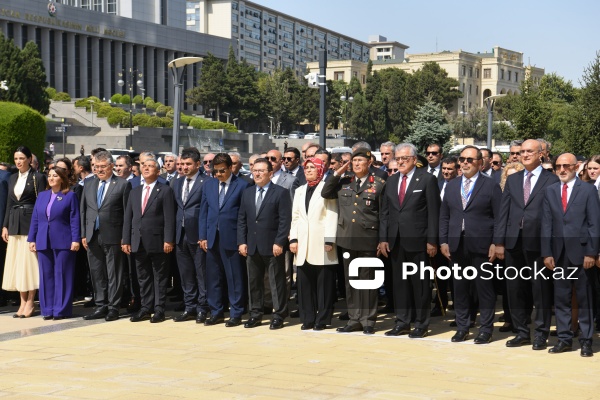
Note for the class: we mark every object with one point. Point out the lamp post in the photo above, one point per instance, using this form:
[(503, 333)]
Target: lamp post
[(130, 77), (92, 110), (346, 99), (489, 103), (271, 122), (227, 115), (235, 120)]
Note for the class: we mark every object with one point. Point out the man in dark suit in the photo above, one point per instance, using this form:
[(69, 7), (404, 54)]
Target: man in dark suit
[(486, 166), (4, 177), (191, 261), (149, 232), (497, 162), (570, 242), (139, 180), (219, 207), (264, 223), (280, 176), (518, 231), (467, 217), (170, 166), (434, 155), (408, 226), (103, 203), (236, 159), (291, 160)]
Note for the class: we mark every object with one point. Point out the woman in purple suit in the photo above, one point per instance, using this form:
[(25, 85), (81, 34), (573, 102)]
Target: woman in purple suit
[(55, 234)]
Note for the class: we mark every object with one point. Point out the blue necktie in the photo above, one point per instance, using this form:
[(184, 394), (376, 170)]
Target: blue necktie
[(99, 202), (222, 194)]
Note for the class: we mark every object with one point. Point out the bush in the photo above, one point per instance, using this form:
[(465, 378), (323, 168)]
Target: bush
[(116, 98), (147, 99), (141, 119), (51, 92), (62, 96), (20, 126), (125, 99), (150, 104), (185, 119), (137, 99), (201, 123), (166, 122), (116, 115), (162, 109), (155, 122), (103, 110)]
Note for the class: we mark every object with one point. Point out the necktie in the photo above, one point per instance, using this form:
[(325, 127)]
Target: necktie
[(465, 193), (358, 183), (145, 202), (527, 187), (260, 199), (186, 190), (99, 202), (169, 177), (402, 190), (564, 197), (432, 171), (222, 194)]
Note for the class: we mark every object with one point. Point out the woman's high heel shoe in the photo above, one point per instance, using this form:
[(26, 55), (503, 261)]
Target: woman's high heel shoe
[(17, 315), (29, 314)]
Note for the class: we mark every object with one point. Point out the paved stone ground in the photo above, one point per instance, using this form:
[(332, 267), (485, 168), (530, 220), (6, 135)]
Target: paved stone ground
[(122, 360)]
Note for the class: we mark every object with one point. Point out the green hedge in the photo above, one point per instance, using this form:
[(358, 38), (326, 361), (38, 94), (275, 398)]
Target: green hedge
[(125, 99), (115, 116), (186, 119), (116, 98), (137, 99), (201, 123), (62, 96), (20, 126), (147, 99), (51, 92), (103, 110)]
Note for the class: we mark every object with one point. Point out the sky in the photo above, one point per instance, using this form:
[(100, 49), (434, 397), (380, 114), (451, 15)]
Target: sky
[(559, 36)]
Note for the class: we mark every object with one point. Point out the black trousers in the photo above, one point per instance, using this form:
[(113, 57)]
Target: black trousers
[(316, 293), (153, 275), (106, 271), (411, 293), (191, 262), (465, 288), (362, 303), (275, 268)]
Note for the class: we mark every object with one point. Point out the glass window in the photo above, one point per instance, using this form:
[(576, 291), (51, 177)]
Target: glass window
[(487, 73)]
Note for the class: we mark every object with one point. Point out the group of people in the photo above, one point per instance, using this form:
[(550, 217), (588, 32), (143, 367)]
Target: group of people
[(234, 240)]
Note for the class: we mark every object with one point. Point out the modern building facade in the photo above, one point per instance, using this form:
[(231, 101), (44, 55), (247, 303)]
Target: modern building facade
[(83, 51), (269, 39)]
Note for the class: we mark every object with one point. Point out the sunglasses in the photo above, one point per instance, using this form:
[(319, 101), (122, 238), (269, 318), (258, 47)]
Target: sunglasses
[(219, 171), (549, 169), (515, 153), (288, 158), (467, 159), (432, 153), (206, 162), (273, 158), (565, 166), (496, 163), (393, 170)]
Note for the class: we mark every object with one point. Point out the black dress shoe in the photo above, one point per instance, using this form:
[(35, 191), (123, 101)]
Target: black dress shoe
[(140, 316), (201, 318), (460, 336), (320, 327), (15, 315), (506, 328), (214, 320), (185, 316), (483, 338), (231, 322), (253, 323), (158, 316), (518, 341), (349, 328), (295, 314), (418, 333), (112, 315), (561, 347), (398, 330), (98, 314), (59, 317), (307, 326), (45, 317), (344, 316), (586, 350), (539, 343), (369, 330), (277, 323)]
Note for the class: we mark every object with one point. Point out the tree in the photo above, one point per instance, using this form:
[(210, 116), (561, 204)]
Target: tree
[(432, 82), (20, 125), (395, 84), (585, 129), (282, 97), (243, 97), (554, 88), (429, 126), (531, 113), (211, 91)]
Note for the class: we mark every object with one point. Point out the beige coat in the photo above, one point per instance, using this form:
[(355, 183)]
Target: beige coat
[(314, 228)]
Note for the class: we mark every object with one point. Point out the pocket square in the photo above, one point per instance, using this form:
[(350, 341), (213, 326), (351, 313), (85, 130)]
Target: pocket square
[(415, 191)]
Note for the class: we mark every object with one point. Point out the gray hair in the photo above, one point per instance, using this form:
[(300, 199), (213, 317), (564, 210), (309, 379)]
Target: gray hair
[(387, 144), (516, 143), (235, 154), (361, 144), (104, 156), (547, 143), (413, 149), (153, 160), (171, 155), (147, 154)]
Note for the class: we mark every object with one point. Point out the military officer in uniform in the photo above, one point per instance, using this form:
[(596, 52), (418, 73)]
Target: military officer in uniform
[(359, 197)]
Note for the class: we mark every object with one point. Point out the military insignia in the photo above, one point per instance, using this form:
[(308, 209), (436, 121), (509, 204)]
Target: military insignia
[(371, 179), (368, 202), (417, 179)]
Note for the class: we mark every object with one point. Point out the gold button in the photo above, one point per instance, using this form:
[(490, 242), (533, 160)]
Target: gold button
[(355, 204), (353, 220), (353, 212), (356, 195)]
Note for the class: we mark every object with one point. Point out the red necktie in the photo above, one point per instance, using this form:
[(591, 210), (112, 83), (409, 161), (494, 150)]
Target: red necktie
[(146, 199), (402, 190), (564, 197)]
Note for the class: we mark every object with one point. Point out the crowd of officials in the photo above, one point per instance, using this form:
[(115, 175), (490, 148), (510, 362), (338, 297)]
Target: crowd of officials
[(126, 230)]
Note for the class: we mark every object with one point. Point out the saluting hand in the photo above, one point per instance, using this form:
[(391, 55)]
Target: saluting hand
[(340, 171)]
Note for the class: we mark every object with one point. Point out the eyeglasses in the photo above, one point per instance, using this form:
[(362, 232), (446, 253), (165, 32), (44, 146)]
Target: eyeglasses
[(273, 158), (393, 170), (515, 153), (206, 162), (288, 158), (259, 171), (549, 169), (565, 166), (467, 159), (432, 153), (403, 158), (496, 163), (102, 167), (219, 171)]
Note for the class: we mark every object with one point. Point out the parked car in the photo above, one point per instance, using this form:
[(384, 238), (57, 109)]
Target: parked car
[(312, 135), (296, 135)]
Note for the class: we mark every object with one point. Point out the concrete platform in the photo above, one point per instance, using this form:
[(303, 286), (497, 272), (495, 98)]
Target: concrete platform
[(124, 360)]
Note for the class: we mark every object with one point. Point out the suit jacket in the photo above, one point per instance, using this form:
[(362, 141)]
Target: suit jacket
[(513, 211), (495, 175), (378, 172), (111, 210), (58, 231), (416, 222), (247, 178), (137, 181), (270, 225), (17, 216), (189, 212), (156, 225), (4, 178), (289, 182), (223, 219), (480, 215), (300, 175), (575, 231), (165, 175), (314, 228)]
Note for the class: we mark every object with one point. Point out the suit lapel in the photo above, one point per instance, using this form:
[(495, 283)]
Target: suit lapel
[(574, 194), (265, 198), (230, 189), (478, 184), (414, 181), (153, 195), (110, 185), (519, 193), (538, 186)]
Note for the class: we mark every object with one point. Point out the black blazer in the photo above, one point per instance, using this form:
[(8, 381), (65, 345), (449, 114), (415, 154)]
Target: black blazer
[(4, 178), (156, 225), (378, 172), (513, 211), (480, 215), (17, 216), (189, 212), (271, 225), (416, 222)]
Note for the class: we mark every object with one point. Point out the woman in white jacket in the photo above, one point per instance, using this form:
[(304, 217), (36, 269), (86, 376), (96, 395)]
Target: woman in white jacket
[(312, 240)]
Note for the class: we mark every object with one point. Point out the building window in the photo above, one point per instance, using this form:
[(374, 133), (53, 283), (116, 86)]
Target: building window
[(338, 76), (476, 90), (463, 88), (470, 87), (502, 74), (477, 73), (509, 75), (470, 72), (487, 73), (111, 6), (364, 79), (464, 70), (516, 77)]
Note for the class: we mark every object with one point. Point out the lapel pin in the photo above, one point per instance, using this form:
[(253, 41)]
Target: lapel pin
[(58, 198)]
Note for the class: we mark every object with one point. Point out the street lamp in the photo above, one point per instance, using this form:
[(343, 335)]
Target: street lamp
[(130, 77), (346, 99), (489, 103), (271, 122), (235, 122), (92, 112), (227, 115)]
